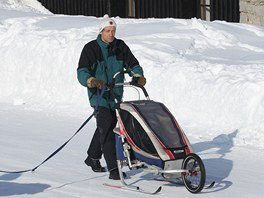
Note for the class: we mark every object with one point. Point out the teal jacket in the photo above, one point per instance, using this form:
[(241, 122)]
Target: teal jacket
[(102, 60)]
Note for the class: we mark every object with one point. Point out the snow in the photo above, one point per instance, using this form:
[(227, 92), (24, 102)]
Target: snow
[(209, 74)]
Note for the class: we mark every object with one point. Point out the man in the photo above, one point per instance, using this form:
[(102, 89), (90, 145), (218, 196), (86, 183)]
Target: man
[(99, 61)]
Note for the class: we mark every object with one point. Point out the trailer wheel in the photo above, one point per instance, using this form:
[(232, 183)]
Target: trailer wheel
[(194, 179)]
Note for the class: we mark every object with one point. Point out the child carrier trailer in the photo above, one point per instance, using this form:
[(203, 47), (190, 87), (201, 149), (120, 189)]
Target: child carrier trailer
[(149, 137)]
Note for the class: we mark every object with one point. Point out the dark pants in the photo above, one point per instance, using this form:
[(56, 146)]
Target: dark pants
[(103, 141)]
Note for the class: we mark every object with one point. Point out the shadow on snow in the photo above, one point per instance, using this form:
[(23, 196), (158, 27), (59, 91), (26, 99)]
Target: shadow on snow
[(217, 168), (10, 188)]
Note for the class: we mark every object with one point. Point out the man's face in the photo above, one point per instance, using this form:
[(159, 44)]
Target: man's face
[(108, 34)]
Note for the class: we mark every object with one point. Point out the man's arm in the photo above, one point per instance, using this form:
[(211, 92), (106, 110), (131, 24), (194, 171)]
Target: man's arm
[(86, 63)]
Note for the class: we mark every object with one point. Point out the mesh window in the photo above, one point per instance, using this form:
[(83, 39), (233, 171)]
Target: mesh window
[(160, 121), (137, 133)]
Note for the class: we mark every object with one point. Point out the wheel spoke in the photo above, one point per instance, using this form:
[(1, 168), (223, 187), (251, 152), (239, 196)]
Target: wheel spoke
[(194, 180)]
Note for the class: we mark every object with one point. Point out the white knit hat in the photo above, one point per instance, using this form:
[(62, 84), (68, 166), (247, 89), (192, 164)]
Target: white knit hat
[(106, 21)]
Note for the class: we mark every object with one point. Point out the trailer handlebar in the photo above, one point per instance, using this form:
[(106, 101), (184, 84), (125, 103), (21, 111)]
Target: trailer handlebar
[(133, 82)]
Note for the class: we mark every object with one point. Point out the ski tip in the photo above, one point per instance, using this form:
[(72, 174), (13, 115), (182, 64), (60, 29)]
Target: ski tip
[(150, 193), (158, 190), (210, 186)]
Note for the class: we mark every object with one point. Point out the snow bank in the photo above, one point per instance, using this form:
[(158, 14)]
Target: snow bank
[(25, 5), (209, 74)]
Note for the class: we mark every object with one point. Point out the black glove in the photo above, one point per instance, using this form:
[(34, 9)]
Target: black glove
[(97, 83)]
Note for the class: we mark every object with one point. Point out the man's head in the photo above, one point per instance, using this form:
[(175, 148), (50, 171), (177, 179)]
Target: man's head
[(107, 29)]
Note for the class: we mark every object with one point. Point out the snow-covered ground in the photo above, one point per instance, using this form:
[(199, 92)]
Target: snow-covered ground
[(209, 74)]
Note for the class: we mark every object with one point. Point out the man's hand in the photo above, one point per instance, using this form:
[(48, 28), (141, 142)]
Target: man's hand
[(140, 80), (95, 83)]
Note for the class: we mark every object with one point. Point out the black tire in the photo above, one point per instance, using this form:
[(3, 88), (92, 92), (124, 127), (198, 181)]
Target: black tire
[(194, 179)]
